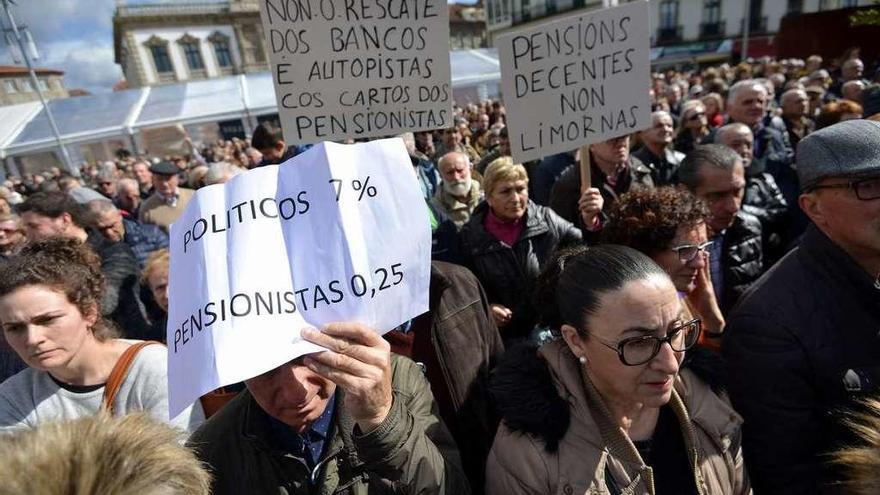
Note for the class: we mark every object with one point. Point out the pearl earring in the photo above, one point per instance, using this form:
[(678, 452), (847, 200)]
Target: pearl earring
[(583, 359)]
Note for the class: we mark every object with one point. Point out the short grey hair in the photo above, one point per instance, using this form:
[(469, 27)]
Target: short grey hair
[(220, 172), (716, 155), (743, 85), (734, 127), (451, 155), (128, 184), (791, 93)]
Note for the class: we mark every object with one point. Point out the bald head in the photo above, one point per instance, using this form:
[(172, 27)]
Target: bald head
[(455, 169), (852, 90), (852, 69), (794, 103), (739, 137)]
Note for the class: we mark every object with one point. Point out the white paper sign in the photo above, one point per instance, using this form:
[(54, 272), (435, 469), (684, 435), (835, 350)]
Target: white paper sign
[(358, 68), (338, 233), (577, 80)]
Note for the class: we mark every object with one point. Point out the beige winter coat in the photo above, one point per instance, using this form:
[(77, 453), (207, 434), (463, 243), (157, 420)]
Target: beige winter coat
[(520, 462)]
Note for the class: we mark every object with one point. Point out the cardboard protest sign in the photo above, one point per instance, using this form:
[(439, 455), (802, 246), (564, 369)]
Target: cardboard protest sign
[(358, 68), (577, 80), (165, 140), (338, 233)]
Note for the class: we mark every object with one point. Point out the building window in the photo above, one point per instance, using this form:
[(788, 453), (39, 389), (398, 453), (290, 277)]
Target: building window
[(191, 53), (159, 51), (222, 52), (795, 6), (10, 87), (668, 14), (824, 4), (845, 4), (712, 11)]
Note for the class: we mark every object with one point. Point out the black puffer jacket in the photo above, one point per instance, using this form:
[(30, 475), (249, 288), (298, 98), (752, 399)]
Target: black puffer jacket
[(742, 258), (508, 273), (567, 190), (802, 346), (764, 200)]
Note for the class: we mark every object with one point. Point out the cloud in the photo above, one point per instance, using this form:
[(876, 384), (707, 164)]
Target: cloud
[(75, 36)]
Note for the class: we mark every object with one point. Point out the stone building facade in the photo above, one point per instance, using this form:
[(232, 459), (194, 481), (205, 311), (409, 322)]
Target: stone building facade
[(160, 43)]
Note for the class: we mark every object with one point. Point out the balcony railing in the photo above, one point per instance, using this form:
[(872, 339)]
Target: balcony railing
[(712, 29), (668, 34)]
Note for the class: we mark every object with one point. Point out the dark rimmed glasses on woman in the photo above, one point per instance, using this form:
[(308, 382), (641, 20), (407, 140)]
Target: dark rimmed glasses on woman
[(634, 351), (688, 252)]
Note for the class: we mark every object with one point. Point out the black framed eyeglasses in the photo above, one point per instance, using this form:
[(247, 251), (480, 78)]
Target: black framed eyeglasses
[(865, 189), (635, 351), (696, 116), (687, 252)]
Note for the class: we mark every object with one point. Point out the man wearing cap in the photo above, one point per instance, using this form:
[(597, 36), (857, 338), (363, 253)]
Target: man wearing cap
[(168, 201), (804, 342)]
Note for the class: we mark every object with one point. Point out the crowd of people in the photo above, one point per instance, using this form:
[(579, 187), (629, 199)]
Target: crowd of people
[(701, 318)]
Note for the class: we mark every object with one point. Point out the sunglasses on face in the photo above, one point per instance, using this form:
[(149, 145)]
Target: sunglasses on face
[(687, 252)]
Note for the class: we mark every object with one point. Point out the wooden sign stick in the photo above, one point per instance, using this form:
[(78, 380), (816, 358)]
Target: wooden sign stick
[(585, 168)]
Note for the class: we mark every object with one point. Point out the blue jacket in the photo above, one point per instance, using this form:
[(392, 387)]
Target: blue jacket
[(143, 239)]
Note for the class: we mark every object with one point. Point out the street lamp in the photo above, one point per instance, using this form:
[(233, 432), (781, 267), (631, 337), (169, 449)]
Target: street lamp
[(17, 39)]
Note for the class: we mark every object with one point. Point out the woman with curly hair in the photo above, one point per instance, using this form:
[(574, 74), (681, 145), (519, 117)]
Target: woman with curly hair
[(49, 298), (669, 225)]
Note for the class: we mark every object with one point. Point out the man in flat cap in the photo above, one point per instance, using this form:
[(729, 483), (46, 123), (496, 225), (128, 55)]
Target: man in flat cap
[(804, 342), (168, 200)]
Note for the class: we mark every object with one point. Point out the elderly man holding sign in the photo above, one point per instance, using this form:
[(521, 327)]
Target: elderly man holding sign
[(330, 423), (263, 270)]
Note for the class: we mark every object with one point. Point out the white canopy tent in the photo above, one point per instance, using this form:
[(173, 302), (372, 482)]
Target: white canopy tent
[(120, 116)]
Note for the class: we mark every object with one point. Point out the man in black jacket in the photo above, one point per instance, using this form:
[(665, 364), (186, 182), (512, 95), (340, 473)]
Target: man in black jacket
[(763, 198), (715, 174), (804, 343)]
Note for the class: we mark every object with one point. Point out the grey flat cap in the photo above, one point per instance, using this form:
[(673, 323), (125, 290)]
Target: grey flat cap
[(164, 168), (848, 149)]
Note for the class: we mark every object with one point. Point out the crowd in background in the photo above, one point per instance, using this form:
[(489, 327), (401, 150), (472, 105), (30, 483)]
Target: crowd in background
[(741, 229)]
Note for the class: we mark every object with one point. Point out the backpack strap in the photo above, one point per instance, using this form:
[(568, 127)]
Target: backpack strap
[(119, 372)]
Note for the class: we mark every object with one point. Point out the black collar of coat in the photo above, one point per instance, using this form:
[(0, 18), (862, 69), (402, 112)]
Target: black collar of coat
[(527, 399), (534, 226)]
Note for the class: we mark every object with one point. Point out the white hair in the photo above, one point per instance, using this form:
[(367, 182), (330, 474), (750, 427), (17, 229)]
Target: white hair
[(220, 172), (743, 85)]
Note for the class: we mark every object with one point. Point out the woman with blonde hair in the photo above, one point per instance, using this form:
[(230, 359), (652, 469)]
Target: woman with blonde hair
[(507, 242), (693, 126), (714, 104), (129, 455)]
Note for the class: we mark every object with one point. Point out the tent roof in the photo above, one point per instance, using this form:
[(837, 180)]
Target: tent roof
[(25, 128)]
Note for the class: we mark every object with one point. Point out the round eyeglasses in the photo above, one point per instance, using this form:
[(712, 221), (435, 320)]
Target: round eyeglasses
[(635, 351)]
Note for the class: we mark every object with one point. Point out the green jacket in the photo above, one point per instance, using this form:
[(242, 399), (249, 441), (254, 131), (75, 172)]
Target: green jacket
[(410, 452)]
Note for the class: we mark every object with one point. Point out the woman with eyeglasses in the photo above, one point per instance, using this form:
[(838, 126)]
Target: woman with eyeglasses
[(610, 409), (692, 126), (669, 225)]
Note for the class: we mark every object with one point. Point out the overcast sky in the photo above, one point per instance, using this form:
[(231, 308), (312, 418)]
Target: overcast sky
[(76, 36)]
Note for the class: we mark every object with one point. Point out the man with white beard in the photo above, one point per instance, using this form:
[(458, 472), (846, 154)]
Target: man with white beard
[(459, 193)]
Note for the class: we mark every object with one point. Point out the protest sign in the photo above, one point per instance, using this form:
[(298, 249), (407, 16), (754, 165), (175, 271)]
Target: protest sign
[(358, 68), (337, 233), (577, 80), (169, 140)]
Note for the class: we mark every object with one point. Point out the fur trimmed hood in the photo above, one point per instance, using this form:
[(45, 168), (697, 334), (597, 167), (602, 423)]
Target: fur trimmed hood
[(526, 395)]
